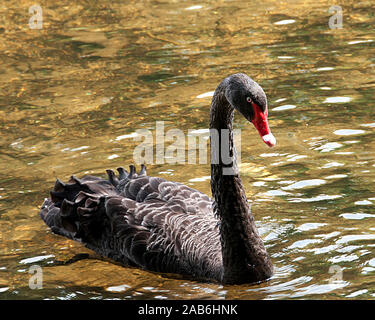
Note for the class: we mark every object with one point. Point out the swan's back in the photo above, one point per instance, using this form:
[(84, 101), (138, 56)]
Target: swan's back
[(140, 221)]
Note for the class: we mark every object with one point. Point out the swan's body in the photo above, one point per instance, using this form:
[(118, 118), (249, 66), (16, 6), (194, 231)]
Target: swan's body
[(166, 226)]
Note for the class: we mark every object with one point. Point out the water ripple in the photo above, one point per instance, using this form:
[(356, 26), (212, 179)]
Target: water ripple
[(305, 184)]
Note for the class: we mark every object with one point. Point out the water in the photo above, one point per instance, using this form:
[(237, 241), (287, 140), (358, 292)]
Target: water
[(73, 94)]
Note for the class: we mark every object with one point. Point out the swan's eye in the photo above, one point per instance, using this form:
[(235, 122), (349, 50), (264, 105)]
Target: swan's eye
[(249, 100)]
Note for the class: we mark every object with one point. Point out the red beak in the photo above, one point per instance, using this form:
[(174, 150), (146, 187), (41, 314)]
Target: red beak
[(260, 122)]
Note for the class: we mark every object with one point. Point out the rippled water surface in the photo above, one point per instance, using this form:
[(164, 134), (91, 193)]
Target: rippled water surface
[(73, 93)]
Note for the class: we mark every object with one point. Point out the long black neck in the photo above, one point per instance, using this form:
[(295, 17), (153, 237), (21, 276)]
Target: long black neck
[(244, 256)]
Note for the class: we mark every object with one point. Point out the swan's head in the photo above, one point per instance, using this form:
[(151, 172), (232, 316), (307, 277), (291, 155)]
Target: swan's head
[(248, 97)]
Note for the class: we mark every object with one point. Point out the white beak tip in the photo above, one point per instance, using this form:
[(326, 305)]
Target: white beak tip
[(269, 139)]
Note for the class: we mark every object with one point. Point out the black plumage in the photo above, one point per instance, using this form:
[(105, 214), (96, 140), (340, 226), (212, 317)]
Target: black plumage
[(165, 226)]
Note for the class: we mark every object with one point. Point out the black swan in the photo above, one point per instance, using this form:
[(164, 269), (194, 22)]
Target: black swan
[(164, 226)]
